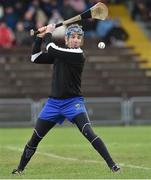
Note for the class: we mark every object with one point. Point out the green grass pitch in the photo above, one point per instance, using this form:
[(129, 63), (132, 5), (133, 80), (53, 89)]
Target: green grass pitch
[(65, 154)]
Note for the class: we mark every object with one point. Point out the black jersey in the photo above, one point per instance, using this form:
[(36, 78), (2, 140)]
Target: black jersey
[(67, 67)]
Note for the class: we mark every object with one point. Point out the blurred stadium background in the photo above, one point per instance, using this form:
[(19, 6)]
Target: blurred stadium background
[(116, 80)]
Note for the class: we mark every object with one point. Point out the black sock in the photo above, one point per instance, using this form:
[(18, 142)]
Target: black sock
[(26, 156), (102, 150), (41, 129), (84, 126)]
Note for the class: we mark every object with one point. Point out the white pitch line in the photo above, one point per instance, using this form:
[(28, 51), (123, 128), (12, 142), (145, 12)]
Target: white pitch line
[(53, 155), (134, 166), (75, 159)]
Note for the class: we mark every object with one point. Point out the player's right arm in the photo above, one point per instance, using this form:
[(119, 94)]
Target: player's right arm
[(38, 56)]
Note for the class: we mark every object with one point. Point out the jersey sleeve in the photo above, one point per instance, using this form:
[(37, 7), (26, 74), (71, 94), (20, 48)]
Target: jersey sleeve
[(73, 56), (38, 56)]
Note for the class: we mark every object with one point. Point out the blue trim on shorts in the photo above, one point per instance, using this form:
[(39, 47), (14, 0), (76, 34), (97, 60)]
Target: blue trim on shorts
[(57, 110)]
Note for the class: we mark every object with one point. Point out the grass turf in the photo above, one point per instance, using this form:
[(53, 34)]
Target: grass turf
[(65, 154)]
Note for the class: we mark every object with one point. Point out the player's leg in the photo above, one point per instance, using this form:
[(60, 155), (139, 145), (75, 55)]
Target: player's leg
[(41, 129), (85, 128)]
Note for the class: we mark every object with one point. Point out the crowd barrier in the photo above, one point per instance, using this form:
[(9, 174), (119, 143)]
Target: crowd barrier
[(102, 111)]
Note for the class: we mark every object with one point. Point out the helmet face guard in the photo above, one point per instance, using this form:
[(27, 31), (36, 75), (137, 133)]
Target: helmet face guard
[(74, 28)]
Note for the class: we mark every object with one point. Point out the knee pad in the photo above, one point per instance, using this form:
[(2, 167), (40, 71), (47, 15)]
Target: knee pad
[(88, 132)]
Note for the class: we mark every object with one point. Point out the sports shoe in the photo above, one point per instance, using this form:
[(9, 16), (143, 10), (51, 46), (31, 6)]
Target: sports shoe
[(17, 172), (115, 168)]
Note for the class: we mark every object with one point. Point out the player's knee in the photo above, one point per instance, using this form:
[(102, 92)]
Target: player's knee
[(35, 139), (88, 132)]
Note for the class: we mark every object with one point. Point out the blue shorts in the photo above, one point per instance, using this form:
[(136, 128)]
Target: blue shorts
[(57, 110)]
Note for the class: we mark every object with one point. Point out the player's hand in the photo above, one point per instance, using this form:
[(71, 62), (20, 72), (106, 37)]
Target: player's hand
[(50, 28), (42, 31)]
